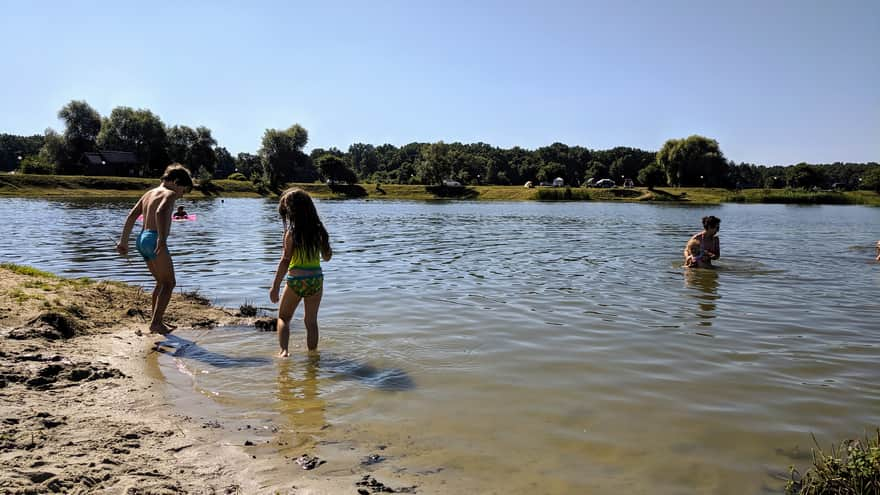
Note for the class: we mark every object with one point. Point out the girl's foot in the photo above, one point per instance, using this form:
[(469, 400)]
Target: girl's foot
[(283, 353)]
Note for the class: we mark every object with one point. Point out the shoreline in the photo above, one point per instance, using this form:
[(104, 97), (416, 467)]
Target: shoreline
[(87, 410), (52, 186)]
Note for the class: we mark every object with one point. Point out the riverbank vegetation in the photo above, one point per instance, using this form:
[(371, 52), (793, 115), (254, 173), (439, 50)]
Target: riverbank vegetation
[(136, 143), (853, 467), (47, 186)]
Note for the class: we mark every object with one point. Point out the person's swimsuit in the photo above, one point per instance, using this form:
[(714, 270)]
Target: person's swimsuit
[(309, 279), (146, 244)]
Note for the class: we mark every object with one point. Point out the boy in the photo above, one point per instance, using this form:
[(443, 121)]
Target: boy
[(156, 206)]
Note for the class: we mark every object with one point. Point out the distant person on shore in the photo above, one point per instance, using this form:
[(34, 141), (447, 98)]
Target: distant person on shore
[(306, 242), (704, 247), (180, 214), (156, 206)]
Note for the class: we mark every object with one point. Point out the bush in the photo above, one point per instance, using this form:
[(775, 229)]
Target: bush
[(237, 176), (851, 468), (567, 194), (32, 165)]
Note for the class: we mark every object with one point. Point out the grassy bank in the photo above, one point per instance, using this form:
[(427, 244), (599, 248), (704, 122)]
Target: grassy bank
[(22, 185)]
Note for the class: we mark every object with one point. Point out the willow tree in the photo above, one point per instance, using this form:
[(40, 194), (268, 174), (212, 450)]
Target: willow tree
[(693, 161)]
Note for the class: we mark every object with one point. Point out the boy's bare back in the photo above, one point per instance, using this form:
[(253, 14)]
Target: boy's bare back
[(155, 202)]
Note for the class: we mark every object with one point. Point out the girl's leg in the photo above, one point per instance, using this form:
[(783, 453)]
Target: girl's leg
[(312, 303), (289, 302)]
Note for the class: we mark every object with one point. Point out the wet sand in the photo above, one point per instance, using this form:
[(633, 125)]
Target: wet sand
[(81, 413)]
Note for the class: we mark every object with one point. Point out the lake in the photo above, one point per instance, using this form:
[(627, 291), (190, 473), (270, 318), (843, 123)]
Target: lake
[(520, 347)]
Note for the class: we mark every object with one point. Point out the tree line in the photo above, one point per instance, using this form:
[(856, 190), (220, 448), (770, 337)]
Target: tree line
[(691, 161)]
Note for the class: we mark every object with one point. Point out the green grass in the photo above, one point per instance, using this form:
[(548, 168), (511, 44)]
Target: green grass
[(24, 185), (26, 270), (851, 468), (29, 185), (789, 196)]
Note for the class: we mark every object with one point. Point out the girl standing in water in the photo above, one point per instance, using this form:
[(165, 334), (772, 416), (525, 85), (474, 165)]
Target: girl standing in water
[(305, 242)]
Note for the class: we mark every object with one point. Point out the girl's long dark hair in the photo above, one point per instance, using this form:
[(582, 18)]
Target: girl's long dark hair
[(300, 216)]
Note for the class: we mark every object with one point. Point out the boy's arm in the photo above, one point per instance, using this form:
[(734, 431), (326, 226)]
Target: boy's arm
[(717, 247), (283, 263), (122, 243)]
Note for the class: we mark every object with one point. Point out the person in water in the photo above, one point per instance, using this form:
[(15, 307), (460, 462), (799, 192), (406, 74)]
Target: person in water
[(306, 242), (180, 214), (693, 257), (878, 250), (704, 247), (156, 206)]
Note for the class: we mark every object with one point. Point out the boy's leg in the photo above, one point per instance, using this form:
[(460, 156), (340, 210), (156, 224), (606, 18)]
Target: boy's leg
[(289, 302), (162, 269), (312, 303)]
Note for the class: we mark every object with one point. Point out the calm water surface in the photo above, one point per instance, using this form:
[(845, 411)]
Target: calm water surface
[(522, 347)]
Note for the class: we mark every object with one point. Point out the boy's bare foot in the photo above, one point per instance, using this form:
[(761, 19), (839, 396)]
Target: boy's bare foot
[(170, 325), (161, 329), (283, 353)]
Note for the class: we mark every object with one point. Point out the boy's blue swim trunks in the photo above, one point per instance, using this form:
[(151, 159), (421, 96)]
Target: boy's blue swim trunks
[(146, 244)]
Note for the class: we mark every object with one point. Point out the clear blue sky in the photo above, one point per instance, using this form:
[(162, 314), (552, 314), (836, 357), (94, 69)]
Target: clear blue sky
[(775, 82)]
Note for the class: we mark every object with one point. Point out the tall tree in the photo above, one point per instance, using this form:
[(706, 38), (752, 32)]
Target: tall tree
[(435, 164), (54, 151), (82, 125), (335, 169), (693, 161), (225, 162), (282, 157), (138, 131)]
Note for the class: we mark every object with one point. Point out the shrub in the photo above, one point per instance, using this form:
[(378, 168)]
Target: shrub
[(236, 176), (33, 165), (851, 468), (567, 194)]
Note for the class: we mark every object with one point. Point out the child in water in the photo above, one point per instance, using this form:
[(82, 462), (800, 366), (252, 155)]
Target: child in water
[(693, 257), (156, 206), (180, 214), (305, 242)]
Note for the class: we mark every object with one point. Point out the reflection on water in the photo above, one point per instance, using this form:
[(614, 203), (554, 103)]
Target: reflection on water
[(522, 347), (299, 402), (704, 280)]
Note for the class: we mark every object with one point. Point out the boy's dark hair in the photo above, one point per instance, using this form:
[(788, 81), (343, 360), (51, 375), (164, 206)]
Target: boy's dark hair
[(711, 221), (179, 175)]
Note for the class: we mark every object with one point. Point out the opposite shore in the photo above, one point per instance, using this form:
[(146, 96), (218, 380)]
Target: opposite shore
[(47, 186)]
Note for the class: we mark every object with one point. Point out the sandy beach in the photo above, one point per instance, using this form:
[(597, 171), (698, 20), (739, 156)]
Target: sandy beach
[(80, 414)]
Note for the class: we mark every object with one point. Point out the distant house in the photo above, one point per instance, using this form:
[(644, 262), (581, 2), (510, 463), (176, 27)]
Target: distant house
[(112, 163), (558, 182)]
